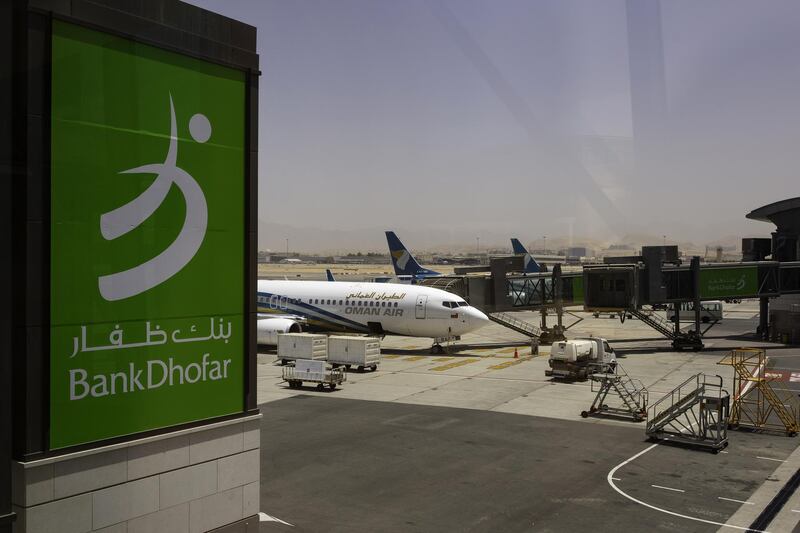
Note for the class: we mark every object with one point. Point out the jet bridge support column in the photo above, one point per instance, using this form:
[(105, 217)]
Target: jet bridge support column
[(763, 318), (556, 333), (558, 297), (695, 266)]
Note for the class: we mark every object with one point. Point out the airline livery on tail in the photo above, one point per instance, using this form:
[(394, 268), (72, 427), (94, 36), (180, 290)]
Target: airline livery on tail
[(406, 267), (530, 264)]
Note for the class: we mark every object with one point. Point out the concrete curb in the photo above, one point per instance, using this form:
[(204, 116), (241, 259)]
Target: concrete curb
[(785, 520)]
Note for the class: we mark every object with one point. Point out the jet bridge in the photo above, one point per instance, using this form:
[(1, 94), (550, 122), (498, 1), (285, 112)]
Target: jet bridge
[(654, 279), (502, 288)]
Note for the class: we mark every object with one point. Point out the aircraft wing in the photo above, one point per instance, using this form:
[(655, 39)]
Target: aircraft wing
[(267, 316)]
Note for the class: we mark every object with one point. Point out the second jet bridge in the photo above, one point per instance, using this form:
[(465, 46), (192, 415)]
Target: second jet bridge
[(654, 279)]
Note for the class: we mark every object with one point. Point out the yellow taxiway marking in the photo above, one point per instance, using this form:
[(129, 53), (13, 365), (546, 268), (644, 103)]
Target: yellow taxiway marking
[(415, 358), (512, 362), (391, 356), (443, 359), (455, 364)]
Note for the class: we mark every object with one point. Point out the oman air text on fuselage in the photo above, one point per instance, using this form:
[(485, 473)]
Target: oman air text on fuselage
[(154, 374)]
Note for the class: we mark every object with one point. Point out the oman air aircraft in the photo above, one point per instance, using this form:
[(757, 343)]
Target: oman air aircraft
[(371, 308), (530, 264), (406, 268)]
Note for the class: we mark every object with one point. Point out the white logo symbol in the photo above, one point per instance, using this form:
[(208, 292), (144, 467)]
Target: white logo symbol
[(128, 217), (402, 257), (740, 285), (527, 261)]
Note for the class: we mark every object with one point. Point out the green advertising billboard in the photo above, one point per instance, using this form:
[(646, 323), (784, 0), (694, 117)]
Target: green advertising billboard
[(577, 289), (728, 282), (147, 238)]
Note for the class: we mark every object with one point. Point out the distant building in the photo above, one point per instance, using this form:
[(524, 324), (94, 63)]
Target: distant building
[(578, 251)]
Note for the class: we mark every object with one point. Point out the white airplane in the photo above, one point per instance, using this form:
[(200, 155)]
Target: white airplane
[(373, 308)]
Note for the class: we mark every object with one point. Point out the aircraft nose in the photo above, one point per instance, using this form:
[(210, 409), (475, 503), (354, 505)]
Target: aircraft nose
[(476, 318)]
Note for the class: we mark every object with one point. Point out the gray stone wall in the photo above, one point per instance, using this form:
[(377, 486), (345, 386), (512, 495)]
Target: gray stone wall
[(190, 481)]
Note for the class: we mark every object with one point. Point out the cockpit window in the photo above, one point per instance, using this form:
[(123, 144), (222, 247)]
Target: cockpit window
[(463, 304), (450, 305)]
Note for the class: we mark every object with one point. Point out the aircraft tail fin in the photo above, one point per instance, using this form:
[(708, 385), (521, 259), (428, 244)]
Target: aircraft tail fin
[(519, 249), (329, 275), (403, 262), (530, 264)]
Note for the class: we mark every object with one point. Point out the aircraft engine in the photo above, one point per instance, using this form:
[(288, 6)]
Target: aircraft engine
[(268, 328)]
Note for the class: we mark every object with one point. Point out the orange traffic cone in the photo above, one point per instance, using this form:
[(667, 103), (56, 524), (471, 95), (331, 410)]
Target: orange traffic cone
[(516, 354)]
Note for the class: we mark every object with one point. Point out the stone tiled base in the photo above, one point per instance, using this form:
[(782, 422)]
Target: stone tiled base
[(188, 481)]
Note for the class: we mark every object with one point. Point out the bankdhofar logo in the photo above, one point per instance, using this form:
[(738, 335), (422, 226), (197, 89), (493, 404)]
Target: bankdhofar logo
[(128, 217)]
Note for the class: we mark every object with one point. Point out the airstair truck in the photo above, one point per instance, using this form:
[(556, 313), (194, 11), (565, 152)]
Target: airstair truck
[(578, 358)]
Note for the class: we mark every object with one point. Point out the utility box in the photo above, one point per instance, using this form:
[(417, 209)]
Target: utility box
[(310, 370), (362, 352), (292, 346)]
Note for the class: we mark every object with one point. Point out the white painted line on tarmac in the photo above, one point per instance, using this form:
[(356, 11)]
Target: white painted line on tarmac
[(770, 459), (610, 478), (667, 488), (264, 517), (732, 500), (722, 451), (796, 510), (616, 479)]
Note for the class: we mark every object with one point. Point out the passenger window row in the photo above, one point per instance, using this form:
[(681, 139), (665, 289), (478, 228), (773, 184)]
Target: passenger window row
[(322, 301)]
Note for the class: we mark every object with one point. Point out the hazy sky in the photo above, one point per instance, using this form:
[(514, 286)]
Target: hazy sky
[(485, 118)]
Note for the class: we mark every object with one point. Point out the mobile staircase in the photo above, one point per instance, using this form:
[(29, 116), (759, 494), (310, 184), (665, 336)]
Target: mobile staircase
[(694, 413), (756, 404), (520, 326), (631, 391), (680, 339)]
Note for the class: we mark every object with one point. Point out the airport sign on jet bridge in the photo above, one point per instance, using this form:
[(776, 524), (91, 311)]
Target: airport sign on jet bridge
[(147, 230), (728, 282)]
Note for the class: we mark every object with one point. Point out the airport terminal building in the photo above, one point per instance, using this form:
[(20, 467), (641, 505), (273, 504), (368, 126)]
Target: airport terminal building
[(784, 246)]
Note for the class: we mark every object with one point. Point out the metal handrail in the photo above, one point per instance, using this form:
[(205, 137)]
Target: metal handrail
[(505, 318), (654, 413), (702, 381), (639, 393)]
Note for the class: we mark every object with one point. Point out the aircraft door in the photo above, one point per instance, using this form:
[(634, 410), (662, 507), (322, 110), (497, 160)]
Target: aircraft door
[(273, 302), (422, 303), (284, 300)]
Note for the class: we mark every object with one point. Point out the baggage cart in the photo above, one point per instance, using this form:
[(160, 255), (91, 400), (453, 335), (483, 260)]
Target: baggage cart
[(313, 372)]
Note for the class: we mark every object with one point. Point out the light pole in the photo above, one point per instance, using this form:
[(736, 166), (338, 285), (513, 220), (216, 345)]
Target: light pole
[(477, 245), (544, 244), (664, 240), (287, 247)]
